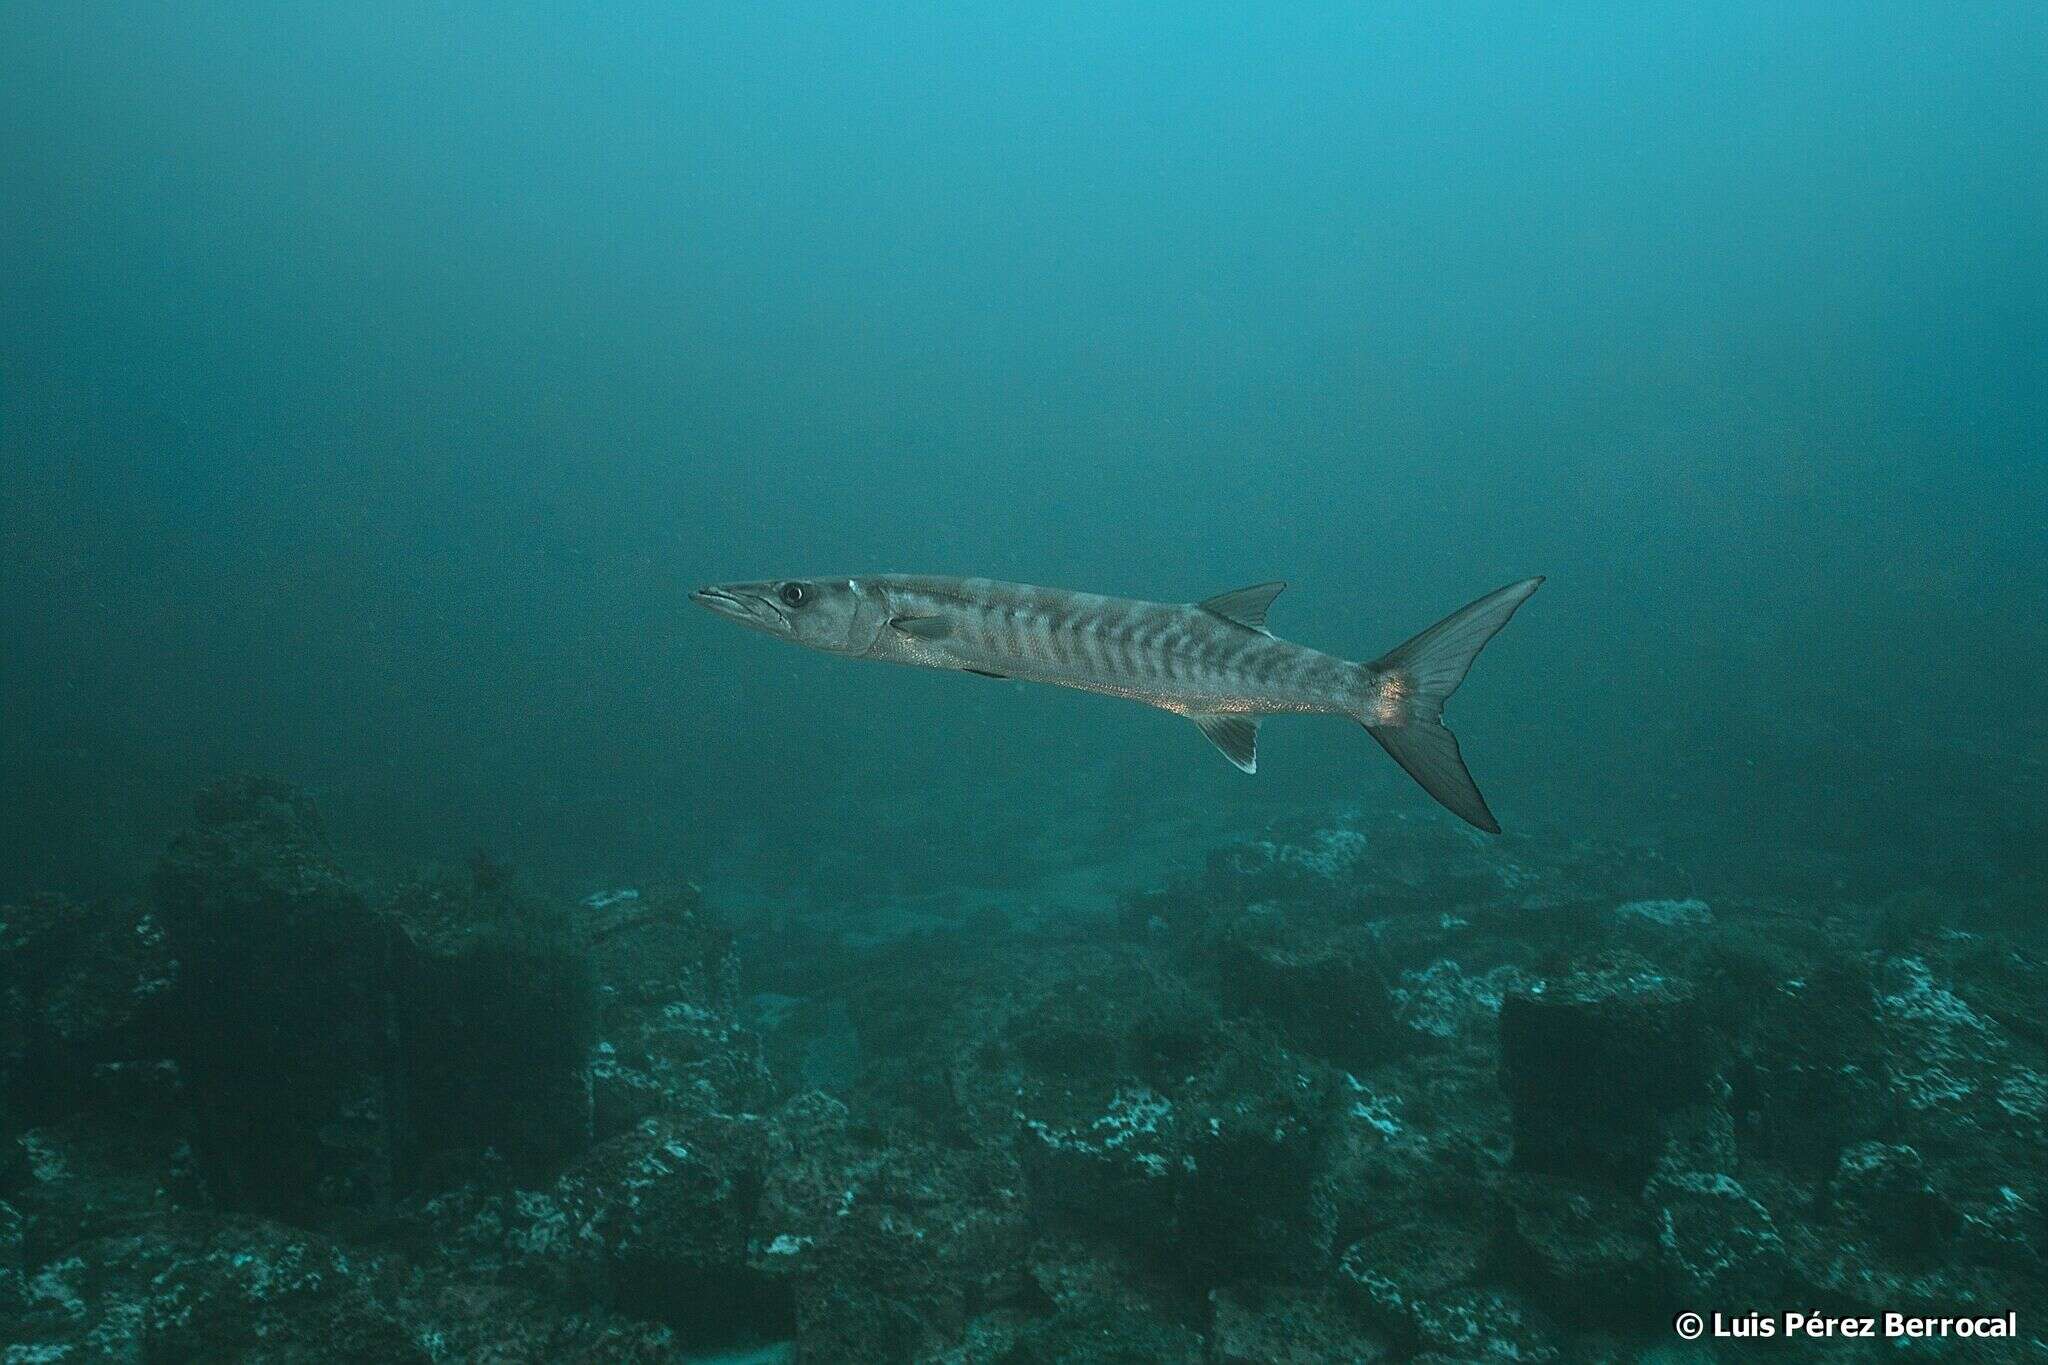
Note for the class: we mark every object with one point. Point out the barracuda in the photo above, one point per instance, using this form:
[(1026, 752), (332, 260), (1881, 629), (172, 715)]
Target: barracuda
[(1212, 661)]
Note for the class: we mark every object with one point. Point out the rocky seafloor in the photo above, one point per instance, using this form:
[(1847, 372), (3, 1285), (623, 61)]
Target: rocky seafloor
[(1342, 1088)]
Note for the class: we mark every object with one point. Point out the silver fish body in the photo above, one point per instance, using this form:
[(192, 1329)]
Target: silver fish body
[(1180, 657), (1212, 661)]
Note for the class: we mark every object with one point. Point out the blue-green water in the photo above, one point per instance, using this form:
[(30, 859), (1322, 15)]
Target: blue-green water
[(376, 382)]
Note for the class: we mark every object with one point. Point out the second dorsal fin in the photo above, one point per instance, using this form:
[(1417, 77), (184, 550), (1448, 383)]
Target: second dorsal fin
[(1246, 606)]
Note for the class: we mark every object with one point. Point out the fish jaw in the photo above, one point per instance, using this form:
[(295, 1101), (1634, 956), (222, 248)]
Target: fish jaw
[(753, 609)]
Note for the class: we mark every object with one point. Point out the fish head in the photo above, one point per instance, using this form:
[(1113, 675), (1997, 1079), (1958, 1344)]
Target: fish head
[(837, 615)]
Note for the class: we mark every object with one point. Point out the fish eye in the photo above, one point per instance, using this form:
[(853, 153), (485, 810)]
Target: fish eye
[(792, 594)]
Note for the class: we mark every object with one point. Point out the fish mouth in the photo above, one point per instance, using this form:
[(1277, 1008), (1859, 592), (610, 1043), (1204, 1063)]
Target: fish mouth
[(746, 608)]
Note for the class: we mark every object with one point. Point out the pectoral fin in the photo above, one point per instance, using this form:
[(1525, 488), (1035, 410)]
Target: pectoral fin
[(984, 673), (922, 627), (1236, 736)]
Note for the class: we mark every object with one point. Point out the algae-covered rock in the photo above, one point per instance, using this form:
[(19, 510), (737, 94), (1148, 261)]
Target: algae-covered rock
[(1485, 1325), (1256, 1324), (1125, 1166), (1445, 1001), (1259, 1117), (1098, 1303), (1105, 1334), (930, 1238), (1951, 1064), (13, 1261), (1362, 1093), (815, 1164), (1886, 1235), (465, 1321), (1882, 1190), (878, 1293), (97, 1175), (1290, 864)]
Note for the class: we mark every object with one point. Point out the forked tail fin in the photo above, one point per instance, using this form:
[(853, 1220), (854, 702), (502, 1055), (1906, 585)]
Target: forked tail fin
[(1408, 687)]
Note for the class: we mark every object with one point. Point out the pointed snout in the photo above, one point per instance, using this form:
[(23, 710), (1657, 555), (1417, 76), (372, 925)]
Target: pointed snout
[(747, 603)]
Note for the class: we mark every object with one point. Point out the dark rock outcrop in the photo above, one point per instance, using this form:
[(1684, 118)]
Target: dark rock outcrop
[(1811, 1075), (1326, 994), (1594, 1059), (287, 1024), (493, 1014)]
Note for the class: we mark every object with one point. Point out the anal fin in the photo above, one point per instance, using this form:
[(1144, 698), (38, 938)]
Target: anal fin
[(1237, 736)]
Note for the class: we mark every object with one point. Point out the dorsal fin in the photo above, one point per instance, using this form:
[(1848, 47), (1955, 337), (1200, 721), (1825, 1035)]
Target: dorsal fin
[(1236, 735), (1246, 606)]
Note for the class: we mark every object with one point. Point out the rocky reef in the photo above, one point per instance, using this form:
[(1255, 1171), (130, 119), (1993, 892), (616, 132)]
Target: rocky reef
[(1340, 1089)]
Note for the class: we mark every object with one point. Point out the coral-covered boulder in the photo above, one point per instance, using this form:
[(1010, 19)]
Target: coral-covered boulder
[(1141, 1116), (203, 1287), (83, 1020), (671, 1206), (96, 1175), (669, 1034), (879, 1292), (1485, 1325), (1401, 1272), (1105, 1305), (1259, 1117), (464, 1321), (1104, 1332), (1302, 860), (815, 1165), (1112, 1100), (1882, 1190), (920, 1240), (1716, 1242), (13, 1261)]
